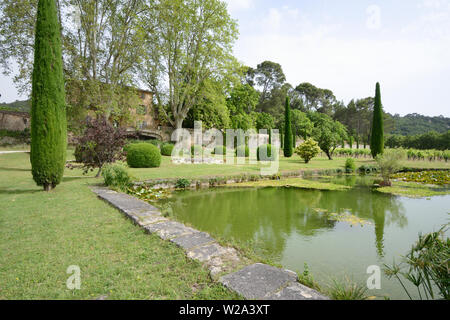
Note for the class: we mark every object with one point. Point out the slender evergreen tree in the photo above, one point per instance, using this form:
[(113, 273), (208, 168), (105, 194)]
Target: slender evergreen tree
[(288, 151), (48, 112), (377, 135)]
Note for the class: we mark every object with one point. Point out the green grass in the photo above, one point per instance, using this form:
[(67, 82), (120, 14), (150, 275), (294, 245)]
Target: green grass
[(292, 183), (413, 190), (42, 234), (168, 170)]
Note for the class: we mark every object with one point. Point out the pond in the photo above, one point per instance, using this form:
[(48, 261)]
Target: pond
[(292, 227)]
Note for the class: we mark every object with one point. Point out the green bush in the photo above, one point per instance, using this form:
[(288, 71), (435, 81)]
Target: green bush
[(308, 150), (143, 155), (367, 169), (182, 184), (116, 176), (350, 166), (220, 150), (166, 149), (196, 150), (266, 156), (156, 143), (243, 151), (78, 153)]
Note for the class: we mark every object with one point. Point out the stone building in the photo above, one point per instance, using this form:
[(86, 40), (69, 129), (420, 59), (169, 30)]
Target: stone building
[(14, 121)]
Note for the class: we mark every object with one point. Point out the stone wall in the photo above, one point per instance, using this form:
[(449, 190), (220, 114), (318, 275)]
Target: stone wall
[(14, 121)]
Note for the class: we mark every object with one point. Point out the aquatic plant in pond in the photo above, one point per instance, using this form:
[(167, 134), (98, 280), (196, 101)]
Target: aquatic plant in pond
[(440, 178)]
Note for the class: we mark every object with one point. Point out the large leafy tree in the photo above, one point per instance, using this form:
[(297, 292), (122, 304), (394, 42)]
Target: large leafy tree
[(313, 98), (377, 136), (268, 75), (212, 109), (188, 42), (101, 48), (48, 112), (327, 132)]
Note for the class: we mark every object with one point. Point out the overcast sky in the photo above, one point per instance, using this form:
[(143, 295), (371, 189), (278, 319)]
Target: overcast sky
[(347, 46)]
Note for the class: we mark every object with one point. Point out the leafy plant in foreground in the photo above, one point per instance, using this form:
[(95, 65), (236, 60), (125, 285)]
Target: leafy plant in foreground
[(100, 144), (426, 266)]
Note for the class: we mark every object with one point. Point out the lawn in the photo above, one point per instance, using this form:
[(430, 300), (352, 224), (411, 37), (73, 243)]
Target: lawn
[(42, 234), (169, 170)]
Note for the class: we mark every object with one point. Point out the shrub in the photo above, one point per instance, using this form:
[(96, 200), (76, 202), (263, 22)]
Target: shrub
[(78, 153), (116, 176), (243, 151), (196, 150), (350, 166), (166, 149), (220, 150), (143, 155), (264, 153), (156, 143), (389, 163), (367, 169), (182, 184), (308, 150), (100, 144)]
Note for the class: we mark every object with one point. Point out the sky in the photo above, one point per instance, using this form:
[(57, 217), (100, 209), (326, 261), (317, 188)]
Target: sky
[(347, 46)]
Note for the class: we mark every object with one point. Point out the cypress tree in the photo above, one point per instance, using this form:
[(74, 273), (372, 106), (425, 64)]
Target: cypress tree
[(377, 135), (294, 138), (48, 113), (287, 130)]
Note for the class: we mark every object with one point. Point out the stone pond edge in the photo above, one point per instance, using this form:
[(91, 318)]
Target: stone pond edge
[(254, 282)]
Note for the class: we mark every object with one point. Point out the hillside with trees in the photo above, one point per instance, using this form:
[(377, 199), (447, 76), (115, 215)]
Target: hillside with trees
[(414, 124)]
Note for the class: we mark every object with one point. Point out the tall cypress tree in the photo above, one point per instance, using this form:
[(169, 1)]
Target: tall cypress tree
[(48, 112), (287, 130), (377, 135)]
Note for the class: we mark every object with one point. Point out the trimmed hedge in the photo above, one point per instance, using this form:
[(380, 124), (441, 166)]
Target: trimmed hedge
[(196, 150), (242, 151), (143, 155), (166, 149), (268, 155), (220, 150)]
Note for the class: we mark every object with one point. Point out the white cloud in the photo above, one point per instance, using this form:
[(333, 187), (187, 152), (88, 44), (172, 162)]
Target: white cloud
[(411, 70), (236, 5)]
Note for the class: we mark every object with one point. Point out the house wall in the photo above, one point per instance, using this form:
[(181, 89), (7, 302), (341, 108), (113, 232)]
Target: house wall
[(14, 121)]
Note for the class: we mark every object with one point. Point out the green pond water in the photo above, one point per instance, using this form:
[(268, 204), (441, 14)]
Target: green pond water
[(285, 225)]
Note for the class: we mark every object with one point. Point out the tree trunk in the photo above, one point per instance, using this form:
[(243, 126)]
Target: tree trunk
[(329, 155), (48, 187), (99, 172)]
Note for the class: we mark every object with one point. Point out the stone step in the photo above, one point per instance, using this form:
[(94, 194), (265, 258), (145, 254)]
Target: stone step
[(258, 281)]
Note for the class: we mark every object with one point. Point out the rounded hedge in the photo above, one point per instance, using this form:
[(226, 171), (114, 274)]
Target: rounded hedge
[(143, 155), (166, 149), (196, 150), (220, 150), (78, 153), (268, 154), (242, 151)]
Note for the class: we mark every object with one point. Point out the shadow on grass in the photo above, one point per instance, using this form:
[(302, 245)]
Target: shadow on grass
[(15, 191), (14, 169)]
